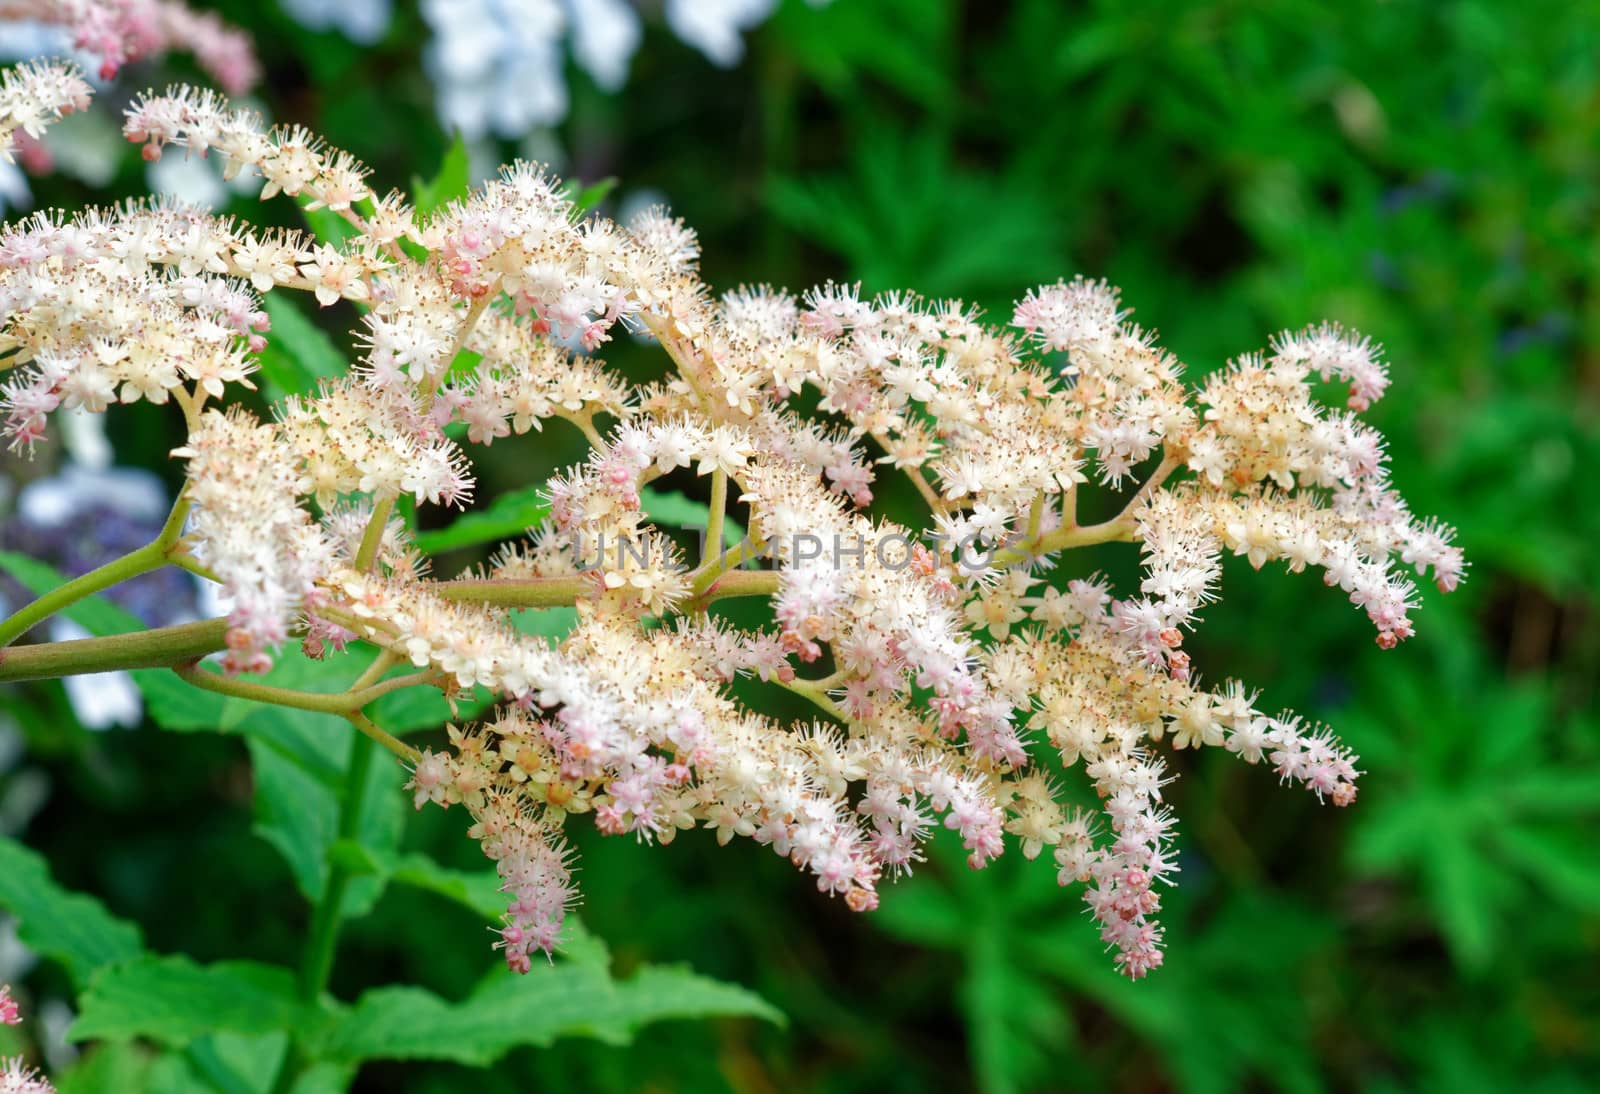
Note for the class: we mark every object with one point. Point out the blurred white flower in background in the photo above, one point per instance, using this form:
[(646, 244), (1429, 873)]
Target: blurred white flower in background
[(716, 27), (498, 64), (14, 193), (361, 21), (193, 180), (101, 700), (197, 180), (605, 34), (53, 502)]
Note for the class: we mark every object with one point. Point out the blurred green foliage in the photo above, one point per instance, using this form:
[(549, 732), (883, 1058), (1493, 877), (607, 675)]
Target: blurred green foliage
[(1426, 172)]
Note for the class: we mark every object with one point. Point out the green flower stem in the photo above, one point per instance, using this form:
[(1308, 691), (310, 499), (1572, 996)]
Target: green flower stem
[(719, 503), (386, 660), (163, 647), (346, 704), (152, 556), (383, 737), (1121, 528), (323, 941), (914, 476), (149, 557), (731, 583), (1036, 517), (180, 646), (534, 592), (367, 553), (318, 964), (816, 692)]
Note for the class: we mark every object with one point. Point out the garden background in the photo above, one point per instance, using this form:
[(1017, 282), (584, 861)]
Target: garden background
[(1428, 173)]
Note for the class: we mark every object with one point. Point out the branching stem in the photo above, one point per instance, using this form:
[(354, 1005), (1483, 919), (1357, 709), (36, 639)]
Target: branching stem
[(152, 556)]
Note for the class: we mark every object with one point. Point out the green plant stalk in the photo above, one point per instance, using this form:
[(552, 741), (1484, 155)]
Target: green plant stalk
[(537, 592), (719, 503), (324, 940), (1121, 528), (367, 553), (347, 704), (817, 692), (322, 945), (181, 645), (152, 556), (163, 647), (720, 585)]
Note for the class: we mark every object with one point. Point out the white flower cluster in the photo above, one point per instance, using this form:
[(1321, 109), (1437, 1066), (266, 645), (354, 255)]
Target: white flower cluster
[(957, 676), (249, 531), (33, 96)]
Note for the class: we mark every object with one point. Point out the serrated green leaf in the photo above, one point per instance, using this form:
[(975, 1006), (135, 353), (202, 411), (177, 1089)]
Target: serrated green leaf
[(299, 760), (414, 708), (511, 514), (68, 927), (562, 1000), (449, 184), (173, 1000), (481, 891), (298, 353), (296, 814)]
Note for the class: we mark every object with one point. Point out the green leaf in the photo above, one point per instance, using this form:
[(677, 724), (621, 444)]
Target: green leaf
[(561, 1000), (1562, 860), (1011, 1013), (903, 43), (450, 184), (173, 1000), (355, 858), (111, 1066), (221, 1063), (92, 613), (298, 353), (326, 225), (299, 816), (478, 890), (511, 514), (552, 623), (416, 708), (586, 198), (67, 927), (1553, 791), (1463, 888), (299, 760)]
